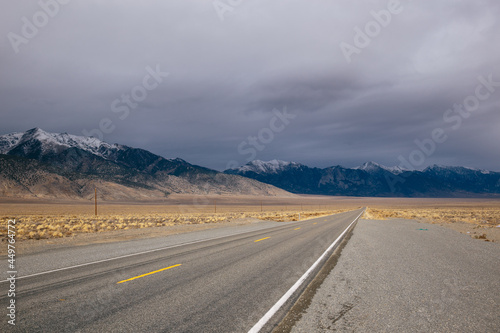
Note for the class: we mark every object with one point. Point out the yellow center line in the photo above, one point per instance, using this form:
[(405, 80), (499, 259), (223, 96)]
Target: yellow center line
[(160, 270), (258, 240), (315, 223), (297, 228)]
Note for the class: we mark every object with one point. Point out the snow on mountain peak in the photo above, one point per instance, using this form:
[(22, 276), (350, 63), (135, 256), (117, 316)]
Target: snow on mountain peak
[(455, 169), (56, 142), (374, 167), (259, 166), (370, 166), (8, 141)]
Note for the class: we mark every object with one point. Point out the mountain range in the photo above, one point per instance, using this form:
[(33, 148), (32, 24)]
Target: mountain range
[(60, 165), (373, 179)]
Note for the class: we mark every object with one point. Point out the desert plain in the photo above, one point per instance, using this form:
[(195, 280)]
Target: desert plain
[(40, 221)]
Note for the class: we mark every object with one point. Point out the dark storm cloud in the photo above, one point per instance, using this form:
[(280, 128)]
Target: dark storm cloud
[(226, 78)]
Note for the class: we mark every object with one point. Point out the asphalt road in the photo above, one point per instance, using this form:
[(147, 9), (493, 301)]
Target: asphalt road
[(226, 284)]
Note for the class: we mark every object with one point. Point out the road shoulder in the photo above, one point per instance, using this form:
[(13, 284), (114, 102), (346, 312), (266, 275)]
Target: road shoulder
[(405, 276)]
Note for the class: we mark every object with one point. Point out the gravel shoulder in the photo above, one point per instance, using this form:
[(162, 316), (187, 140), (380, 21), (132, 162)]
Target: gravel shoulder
[(405, 276)]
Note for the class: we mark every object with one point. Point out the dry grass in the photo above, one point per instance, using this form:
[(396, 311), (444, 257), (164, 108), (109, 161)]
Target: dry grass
[(40, 219), (482, 216), (48, 226), (477, 221), (44, 220)]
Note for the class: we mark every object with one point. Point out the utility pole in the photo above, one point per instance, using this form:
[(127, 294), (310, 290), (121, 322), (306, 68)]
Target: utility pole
[(95, 200), (261, 205), (215, 205)]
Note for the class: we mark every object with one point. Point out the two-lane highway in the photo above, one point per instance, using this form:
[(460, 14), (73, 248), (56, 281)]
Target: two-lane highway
[(228, 284)]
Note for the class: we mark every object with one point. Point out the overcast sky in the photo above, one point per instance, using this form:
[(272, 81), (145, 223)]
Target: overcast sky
[(313, 81)]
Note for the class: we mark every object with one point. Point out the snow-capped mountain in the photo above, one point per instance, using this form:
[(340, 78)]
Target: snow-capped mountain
[(8, 141), (373, 179), (64, 150), (61, 165), (38, 143), (371, 167), (273, 166), (442, 169), (37, 163)]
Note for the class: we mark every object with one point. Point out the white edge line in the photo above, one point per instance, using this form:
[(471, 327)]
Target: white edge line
[(272, 311), (124, 256)]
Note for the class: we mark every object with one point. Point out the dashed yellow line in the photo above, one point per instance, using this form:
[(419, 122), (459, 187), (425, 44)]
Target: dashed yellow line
[(143, 275), (297, 228), (315, 223), (258, 240)]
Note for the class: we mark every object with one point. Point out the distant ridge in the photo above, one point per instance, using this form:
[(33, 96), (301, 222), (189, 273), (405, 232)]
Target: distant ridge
[(373, 179), (375, 167), (36, 163)]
